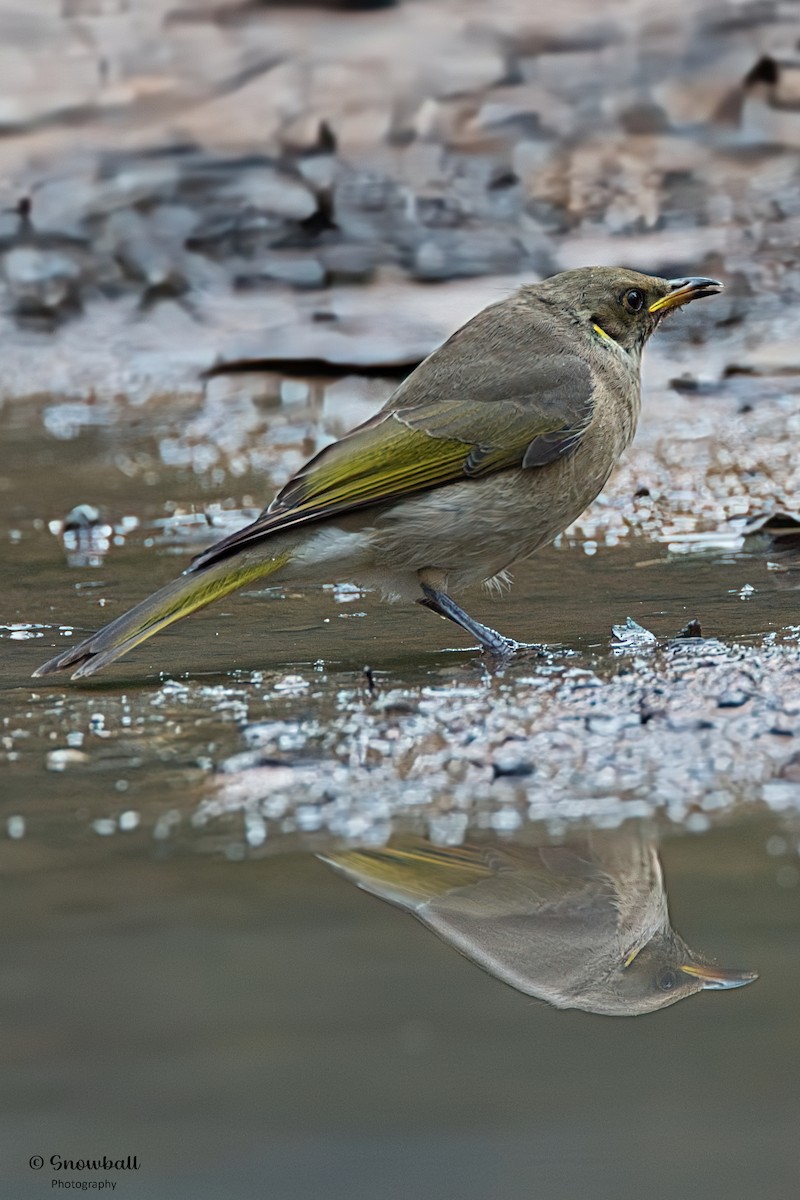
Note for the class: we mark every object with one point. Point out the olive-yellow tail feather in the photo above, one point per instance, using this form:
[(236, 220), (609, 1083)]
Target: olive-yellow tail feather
[(411, 871), (184, 595)]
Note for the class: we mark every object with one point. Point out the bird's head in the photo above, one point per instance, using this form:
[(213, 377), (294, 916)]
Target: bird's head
[(617, 306), (660, 973)]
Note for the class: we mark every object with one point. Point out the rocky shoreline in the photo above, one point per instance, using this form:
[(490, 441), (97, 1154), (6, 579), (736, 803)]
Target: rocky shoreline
[(224, 182)]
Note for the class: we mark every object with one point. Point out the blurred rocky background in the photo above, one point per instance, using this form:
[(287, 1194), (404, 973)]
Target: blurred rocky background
[(192, 182)]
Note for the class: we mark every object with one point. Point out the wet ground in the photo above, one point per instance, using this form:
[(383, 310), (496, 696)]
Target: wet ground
[(167, 925), (267, 688)]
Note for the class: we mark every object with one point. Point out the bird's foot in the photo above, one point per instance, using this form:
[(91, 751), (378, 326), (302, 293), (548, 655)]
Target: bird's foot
[(496, 644), (498, 647)]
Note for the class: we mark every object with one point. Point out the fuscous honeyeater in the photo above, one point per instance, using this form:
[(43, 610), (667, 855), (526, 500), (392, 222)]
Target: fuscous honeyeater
[(486, 452), (583, 925)]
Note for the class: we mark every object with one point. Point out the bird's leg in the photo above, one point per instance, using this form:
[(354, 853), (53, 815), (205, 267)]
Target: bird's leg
[(489, 639)]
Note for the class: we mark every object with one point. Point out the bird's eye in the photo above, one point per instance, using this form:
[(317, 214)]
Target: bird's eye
[(633, 300), (667, 981)]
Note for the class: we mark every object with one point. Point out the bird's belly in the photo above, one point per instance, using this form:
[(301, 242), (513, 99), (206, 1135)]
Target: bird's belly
[(472, 531), (454, 536)]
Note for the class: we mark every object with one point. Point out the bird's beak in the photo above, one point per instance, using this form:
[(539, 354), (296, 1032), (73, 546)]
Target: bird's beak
[(718, 978), (683, 290)]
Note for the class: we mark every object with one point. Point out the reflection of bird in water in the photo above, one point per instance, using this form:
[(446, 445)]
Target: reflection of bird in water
[(583, 925)]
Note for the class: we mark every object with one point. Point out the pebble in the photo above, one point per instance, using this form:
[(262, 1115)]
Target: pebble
[(270, 190), (64, 758)]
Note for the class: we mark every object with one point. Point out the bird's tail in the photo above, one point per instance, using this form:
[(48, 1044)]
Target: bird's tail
[(410, 871), (179, 598)]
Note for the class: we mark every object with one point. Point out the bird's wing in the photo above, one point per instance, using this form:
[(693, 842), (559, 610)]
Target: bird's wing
[(458, 416), (526, 880)]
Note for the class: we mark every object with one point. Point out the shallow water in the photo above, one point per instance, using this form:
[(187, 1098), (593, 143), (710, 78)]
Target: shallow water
[(262, 1025), (183, 981)]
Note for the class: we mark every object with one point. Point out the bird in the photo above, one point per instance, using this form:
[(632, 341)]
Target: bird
[(581, 925), (486, 452)]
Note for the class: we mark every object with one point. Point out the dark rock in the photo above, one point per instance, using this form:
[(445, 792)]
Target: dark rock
[(511, 767), (644, 118), (733, 699)]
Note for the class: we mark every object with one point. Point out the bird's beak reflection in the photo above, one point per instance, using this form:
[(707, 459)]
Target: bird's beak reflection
[(683, 291), (716, 979)]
